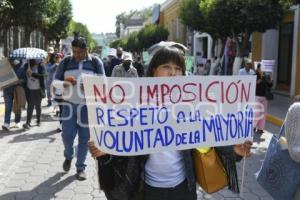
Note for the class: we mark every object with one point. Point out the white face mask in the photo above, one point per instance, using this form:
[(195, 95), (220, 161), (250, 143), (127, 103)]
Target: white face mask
[(16, 62)]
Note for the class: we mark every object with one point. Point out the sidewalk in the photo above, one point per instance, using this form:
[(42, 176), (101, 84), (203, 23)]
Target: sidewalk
[(277, 109)]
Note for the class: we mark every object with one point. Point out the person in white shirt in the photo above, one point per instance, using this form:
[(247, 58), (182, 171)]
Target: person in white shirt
[(247, 70)]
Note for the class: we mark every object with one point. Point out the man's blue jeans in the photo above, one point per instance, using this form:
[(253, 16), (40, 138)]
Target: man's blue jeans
[(75, 120), (8, 94)]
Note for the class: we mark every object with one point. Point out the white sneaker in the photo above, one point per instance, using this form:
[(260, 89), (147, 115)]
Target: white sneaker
[(5, 127), (18, 125)]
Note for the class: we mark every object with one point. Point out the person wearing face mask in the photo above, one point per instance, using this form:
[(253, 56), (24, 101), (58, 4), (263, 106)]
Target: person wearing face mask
[(125, 69)]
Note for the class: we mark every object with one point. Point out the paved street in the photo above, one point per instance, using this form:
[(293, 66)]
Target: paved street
[(31, 167)]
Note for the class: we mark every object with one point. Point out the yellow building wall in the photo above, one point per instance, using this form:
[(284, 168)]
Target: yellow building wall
[(288, 18), (170, 20), (257, 50)]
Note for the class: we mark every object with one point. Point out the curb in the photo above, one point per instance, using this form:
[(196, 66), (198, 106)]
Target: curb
[(275, 120)]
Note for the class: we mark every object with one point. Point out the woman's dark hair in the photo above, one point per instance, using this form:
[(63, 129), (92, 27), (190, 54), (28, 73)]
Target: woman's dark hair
[(164, 56)]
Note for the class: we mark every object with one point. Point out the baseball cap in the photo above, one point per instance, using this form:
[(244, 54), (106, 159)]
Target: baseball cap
[(127, 56)]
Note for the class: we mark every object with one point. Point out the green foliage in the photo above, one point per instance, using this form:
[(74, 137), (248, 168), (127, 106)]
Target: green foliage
[(5, 9), (59, 29), (146, 37), (241, 16), (115, 44), (190, 14), (33, 15), (77, 28), (133, 43), (152, 34), (222, 18)]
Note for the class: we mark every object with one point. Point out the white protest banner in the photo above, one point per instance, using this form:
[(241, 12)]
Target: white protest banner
[(7, 74), (134, 116), (267, 65)]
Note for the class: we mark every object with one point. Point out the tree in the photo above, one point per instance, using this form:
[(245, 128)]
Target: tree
[(119, 43), (5, 22), (33, 15), (77, 28), (133, 43), (59, 29), (191, 16), (120, 21), (5, 9), (240, 18), (145, 38), (237, 19), (152, 34)]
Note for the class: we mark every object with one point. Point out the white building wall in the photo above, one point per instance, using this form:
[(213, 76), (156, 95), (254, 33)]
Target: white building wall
[(295, 51), (198, 44), (270, 45)]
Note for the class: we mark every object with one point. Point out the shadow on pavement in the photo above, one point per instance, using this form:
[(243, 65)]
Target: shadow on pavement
[(35, 136), (10, 133), (44, 191)]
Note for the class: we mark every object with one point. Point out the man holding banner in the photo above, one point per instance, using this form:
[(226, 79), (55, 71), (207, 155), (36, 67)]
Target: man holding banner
[(163, 119), (74, 112)]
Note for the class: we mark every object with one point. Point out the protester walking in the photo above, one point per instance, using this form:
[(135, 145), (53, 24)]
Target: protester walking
[(110, 64), (35, 90), (137, 64), (263, 85), (74, 111), (247, 70), (58, 99), (50, 70), (125, 69), (167, 175), (10, 94)]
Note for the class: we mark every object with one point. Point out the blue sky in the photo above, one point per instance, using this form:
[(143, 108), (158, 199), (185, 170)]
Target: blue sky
[(100, 15)]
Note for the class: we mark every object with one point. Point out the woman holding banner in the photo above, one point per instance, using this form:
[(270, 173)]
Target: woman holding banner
[(167, 175)]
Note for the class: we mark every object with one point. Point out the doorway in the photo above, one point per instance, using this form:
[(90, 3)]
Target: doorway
[(285, 57)]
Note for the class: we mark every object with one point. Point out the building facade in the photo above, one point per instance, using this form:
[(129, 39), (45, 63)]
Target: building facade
[(169, 19), (134, 24), (14, 38), (283, 46)]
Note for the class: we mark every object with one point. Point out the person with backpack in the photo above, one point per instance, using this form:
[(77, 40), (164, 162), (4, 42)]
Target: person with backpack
[(74, 112), (166, 175)]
